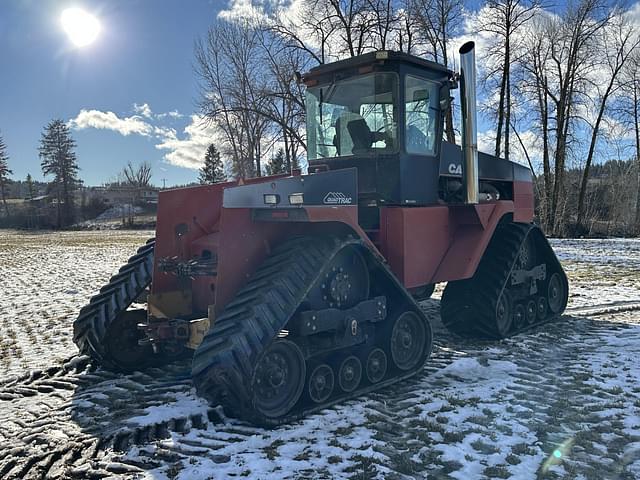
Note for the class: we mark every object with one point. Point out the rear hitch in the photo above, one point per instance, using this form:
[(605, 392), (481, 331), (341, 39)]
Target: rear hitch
[(196, 267), (173, 332)]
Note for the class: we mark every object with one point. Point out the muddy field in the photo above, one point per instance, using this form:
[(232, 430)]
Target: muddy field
[(562, 401)]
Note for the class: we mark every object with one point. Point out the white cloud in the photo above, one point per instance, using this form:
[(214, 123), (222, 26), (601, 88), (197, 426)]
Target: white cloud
[(110, 121), (189, 150), (487, 141), (240, 10), (186, 150), (143, 110), (530, 140), (171, 114)]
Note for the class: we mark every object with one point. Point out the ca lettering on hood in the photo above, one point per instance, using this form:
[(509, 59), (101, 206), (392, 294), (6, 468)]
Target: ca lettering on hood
[(455, 169), (336, 198)]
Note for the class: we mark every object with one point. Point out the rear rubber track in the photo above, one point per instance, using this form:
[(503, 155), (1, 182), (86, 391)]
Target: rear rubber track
[(91, 328), (468, 307), (223, 365)]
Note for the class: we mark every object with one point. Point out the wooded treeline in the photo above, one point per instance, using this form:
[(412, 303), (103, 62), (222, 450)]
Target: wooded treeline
[(61, 201), (560, 87)]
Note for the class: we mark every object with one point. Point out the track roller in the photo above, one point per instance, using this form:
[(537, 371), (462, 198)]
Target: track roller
[(350, 374), (321, 383), (376, 365)]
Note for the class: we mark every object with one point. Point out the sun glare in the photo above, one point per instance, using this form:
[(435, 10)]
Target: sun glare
[(81, 27)]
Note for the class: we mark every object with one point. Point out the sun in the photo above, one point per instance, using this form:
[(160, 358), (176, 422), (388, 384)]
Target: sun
[(81, 27)]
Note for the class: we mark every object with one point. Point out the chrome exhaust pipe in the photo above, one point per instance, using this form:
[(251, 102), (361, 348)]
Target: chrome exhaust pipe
[(469, 123)]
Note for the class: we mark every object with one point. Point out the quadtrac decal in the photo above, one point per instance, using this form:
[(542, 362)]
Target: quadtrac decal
[(337, 198)]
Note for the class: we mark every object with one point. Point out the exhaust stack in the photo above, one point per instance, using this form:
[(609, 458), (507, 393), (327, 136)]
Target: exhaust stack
[(469, 122)]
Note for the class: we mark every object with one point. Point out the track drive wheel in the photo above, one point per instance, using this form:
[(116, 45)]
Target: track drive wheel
[(345, 283), (278, 378)]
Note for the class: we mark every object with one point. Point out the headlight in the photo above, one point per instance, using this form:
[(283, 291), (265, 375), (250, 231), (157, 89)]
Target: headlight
[(271, 198), (296, 199)]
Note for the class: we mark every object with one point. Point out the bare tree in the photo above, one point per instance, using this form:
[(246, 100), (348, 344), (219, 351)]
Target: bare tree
[(571, 61), (407, 24), (618, 41), (438, 21), (232, 79), (504, 20), (285, 104), (557, 63), (310, 32), (138, 177), (626, 110), (534, 84)]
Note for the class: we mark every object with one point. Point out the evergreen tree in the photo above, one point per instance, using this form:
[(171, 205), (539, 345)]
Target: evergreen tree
[(295, 164), (59, 159), (277, 164), (4, 174), (213, 169), (31, 189)]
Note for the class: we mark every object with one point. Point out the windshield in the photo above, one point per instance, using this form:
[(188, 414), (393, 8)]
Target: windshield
[(353, 117)]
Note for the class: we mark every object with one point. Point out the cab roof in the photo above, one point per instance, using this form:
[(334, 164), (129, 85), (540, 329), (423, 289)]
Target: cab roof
[(379, 58)]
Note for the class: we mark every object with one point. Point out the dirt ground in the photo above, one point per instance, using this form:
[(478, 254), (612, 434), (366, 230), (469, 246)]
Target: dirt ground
[(562, 401)]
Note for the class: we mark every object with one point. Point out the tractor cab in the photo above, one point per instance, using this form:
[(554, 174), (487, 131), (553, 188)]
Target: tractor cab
[(382, 113)]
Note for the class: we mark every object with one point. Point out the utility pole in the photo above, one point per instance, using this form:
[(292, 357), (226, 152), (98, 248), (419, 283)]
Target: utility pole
[(164, 183)]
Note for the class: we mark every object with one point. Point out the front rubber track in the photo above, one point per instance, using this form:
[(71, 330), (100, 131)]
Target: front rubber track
[(224, 364), (91, 327)]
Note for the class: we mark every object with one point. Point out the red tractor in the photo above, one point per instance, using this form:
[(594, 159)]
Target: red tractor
[(297, 292)]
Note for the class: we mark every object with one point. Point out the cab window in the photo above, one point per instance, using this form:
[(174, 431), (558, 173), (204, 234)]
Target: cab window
[(421, 114), (354, 116)]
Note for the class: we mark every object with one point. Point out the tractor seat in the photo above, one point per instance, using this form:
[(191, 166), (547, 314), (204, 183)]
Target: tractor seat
[(360, 135), (352, 134)]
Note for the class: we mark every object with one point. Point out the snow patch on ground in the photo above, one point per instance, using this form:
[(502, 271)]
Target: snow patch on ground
[(561, 400)]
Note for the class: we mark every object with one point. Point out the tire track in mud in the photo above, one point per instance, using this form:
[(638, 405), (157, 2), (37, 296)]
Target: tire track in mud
[(62, 421), (75, 421)]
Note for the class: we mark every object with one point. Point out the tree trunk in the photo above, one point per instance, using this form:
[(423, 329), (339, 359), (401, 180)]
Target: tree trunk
[(636, 124), (500, 111), (502, 121), (507, 72), (4, 199), (546, 167), (592, 147), (451, 136)]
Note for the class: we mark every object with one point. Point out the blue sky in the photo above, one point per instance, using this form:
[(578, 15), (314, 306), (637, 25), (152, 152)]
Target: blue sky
[(143, 55), (130, 96)]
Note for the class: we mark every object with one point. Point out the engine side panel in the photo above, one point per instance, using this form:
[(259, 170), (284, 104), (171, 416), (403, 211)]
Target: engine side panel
[(435, 244)]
